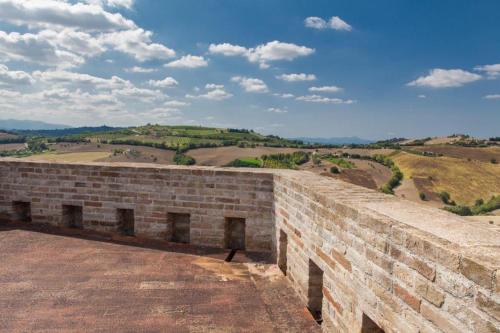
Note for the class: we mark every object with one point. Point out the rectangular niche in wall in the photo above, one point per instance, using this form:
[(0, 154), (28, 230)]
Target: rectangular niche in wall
[(72, 216), (315, 292), (283, 247), (369, 326), (125, 221), (180, 227), (22, 211), (234, 233)]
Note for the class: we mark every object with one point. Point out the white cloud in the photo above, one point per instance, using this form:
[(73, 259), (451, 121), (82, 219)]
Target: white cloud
[(215, 92), (188, 61), (493, 96), (167, 82), (57, 14), (323, 100), (327, 89), (296, 77), (492, 71), (315, 22), (335, 23), (227, 49), (251, 84), (277, 110), (262, 54), (445, 78), (214, 86), (80, 79), (80, 43), (286, 95), (175, 103), (138, 69), (14, 77), (33, 48), (137, 43), (422, 96), (112, 3)]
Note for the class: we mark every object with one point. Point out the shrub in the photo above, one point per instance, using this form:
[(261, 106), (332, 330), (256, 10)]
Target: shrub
[(445, 197), (493, 161), (335, 170), (182, 159), (245, 163), (459, 210), (422, 196)]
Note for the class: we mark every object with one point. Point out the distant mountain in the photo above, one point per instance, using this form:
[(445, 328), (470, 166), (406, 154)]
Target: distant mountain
[(14, 124), (336, 141)]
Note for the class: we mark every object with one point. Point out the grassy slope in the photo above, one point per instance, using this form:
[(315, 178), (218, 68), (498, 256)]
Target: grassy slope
[(465, 180)]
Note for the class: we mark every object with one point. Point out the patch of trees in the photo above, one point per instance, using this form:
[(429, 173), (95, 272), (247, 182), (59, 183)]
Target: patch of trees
[(15, 139), (397, 175), (183, 159), (245, 163), (480, 207)]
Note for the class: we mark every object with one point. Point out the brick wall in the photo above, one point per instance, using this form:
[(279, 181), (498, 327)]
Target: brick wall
[(207, 194), (370, 259), (386, 262)]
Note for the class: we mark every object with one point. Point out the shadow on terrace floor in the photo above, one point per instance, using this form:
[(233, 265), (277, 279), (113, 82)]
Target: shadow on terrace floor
[(214, 253)]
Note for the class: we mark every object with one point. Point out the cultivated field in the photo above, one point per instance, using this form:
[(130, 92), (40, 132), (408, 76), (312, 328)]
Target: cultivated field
[(464, 180), (480, 154)]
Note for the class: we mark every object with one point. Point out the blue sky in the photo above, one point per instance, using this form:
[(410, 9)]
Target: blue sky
[(373, 69)]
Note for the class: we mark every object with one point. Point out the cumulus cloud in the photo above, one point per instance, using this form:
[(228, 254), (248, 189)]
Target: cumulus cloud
[(445, 78), (327, 89), (137, 43), (264, 53), (167, 82), (492, 96), (57, 14), (315, 22), (112, 3), (214, 92), (323, 100), (32, 48), (296, 77), (188, 61), (71, 78), (14, 77), (251, 84), (138, 69), (492, 71), (335, 23)]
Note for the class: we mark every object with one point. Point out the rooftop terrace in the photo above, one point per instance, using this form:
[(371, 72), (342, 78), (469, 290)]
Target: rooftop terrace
[(143, 248)]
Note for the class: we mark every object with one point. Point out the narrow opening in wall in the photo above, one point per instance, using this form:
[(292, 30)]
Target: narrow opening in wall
[(315, 292), (369, 326), (180, 226), (22, 211), (234, 233), (125, 221), (72, 216), (282, 256)]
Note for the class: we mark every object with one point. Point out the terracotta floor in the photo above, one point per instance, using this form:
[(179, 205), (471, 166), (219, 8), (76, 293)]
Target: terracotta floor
[(74, 282)]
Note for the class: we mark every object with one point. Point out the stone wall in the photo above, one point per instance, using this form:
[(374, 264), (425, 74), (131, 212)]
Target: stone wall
[(386, 262), (364, 260), (207, 194)]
